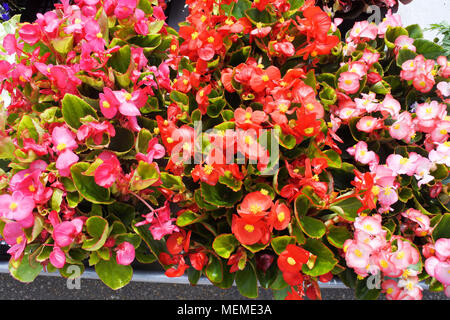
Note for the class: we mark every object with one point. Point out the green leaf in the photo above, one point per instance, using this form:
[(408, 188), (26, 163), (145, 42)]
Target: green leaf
[(155, 246), (264, 17), (172, 182), (6, 148), (247, 282), (415, 31), (74, 109), (220, 195), (442, 228), (150, 41), (256, 247), (314, 228), (347, 208), (143, 138), (333, 159), (240, 56), (362, 292), (392, 34), (24, 272), (113, 274), (87, 186), (120, 59), (337, 236), (239, 8), (27, 128), (98, 229), (123, 141), (405, 55), (146, 174), (229, 180), (63, 45), (225, 244), (301, 206), (214, 270), (427, 48), (325, 260), (188, 217), (279, 244)]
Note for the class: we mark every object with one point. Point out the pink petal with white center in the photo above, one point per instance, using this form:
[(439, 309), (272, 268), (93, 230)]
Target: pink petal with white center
[(442, 272)]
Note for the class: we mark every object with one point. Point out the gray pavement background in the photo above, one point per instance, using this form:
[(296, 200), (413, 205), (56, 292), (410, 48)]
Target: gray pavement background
[(55, 288)]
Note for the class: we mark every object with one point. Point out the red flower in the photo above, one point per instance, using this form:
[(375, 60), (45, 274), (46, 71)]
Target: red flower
[(263, 79), (280, 216), (292, 259), (254, 206), (198, 260), (177, 242), (202, 98), (249, 233), (248, 118)]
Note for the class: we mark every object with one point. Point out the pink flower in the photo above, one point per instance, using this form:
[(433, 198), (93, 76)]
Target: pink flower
[(422, 172), (405, 255), (444, 71), (64, 233), (363, 30), (57, 257), (29, 184), (387, 197), (125, 8), (404, 42), (17, 206), (15, 236), (370, 57), (369, 224), (368, 102), (109, 104), (391, 20), (361, 153), (357, 255), (391, 289), (358, 67), (442, 247), (390, 106), (154, 151), (95, 130), (125, 253), (106, 174), (403, 128), (441, 154), (160, 222), (368, 124), (444, 88), (30, 33), (442, 272), (349, 82), (403, 165), (423, 227)]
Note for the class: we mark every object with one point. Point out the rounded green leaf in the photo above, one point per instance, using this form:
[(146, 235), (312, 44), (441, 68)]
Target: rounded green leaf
[(113, 274), (442, 228), (247, 282), (214, 270), (25, 272), (337, 236), (225, 244), (87, 186), (98, 229), (188, 217), (314, 228), (74, 109), (220, 195), (325, 260), (279, 244)]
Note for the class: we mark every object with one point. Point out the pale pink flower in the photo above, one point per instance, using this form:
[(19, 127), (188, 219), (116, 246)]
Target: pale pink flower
[(369, 224), (404, 42), (357, 255), (390, 106), (391, 20), (422, 173), (349, 82), (363, 30), (362, 154), (442, 247), (444, 88), (403, 165), (368, 102), (368, 124)]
